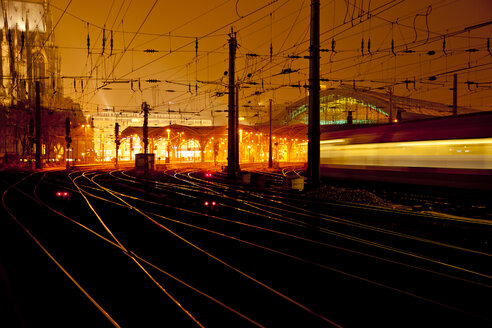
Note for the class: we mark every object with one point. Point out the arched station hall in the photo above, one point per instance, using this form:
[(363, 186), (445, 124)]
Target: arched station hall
[(342, 108)]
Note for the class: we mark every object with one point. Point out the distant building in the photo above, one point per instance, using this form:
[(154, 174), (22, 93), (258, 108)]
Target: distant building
[(28, 52), (104, 121)]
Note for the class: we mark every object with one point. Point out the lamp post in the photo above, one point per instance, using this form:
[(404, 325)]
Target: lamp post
[(168, 147), (116, 141), (180, 136), (68, 139), (85, 141), (101, 146)]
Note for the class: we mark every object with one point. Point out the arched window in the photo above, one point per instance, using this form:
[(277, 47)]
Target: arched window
[(39, 68)]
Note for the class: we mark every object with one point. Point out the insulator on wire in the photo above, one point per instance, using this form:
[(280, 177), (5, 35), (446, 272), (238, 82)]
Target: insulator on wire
[(111, 53), (88, 40), (75, 85), (333, 45), (362, 47), (469, 83), (393, 47), (150, 51), (103, 40), (488, 46), (369, 47), (407, 81), (444, 45)]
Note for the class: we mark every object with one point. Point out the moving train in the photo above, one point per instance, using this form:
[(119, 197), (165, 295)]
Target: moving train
[(452, 151)]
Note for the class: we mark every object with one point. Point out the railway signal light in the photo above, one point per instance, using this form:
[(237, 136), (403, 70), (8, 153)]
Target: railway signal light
[(62, 195), (68, 139), (116, 131), (211, 205), (67, 126)]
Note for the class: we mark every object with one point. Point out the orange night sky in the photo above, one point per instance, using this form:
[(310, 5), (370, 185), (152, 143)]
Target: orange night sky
[(172, 28)]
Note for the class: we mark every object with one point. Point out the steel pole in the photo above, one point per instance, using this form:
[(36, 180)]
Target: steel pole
[(232, 128), (38, 126), (314, 103), (270, 161)]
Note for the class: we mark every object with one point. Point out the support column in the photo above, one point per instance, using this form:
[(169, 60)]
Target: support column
[(232, 127), (145, 109), (38, 126), (270, 161), (314, 102)]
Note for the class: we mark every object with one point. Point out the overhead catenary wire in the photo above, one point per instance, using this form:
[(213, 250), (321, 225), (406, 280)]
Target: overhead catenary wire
[(277, 56)]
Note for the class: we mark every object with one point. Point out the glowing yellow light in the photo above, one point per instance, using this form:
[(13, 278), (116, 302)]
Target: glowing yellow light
[(332, 141)]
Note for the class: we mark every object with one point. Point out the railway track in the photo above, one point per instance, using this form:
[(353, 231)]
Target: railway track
[(122, 249)]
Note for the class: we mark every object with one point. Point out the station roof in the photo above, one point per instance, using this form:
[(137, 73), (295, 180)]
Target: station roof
[(378, 100), (298, 130)]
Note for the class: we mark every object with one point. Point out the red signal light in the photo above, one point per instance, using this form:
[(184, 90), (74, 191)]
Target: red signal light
[(58, 194), (213, 203), (206, 203), (65, 194)]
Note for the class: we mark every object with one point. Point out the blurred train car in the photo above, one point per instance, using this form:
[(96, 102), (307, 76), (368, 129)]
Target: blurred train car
[(447, 152)]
